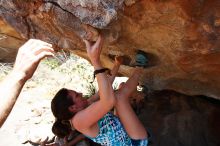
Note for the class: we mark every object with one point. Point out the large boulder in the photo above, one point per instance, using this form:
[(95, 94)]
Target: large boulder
[(181, 38)]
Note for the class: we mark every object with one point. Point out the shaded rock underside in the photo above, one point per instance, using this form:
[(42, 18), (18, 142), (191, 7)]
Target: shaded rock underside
[(180, 120)]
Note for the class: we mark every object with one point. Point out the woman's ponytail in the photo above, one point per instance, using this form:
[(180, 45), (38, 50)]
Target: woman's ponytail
[(61, 128)]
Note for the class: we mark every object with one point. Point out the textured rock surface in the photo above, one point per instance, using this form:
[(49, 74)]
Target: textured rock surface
[(9, 42), (180, 37), (95, 13), (180, 120)]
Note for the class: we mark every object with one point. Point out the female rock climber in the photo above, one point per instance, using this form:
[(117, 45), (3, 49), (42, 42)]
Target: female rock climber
[(95, 120)]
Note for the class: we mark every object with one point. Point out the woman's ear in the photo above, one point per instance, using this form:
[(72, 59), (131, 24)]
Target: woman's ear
[(73, 108)]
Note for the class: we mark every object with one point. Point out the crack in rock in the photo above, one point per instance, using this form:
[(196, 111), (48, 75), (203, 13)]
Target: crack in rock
[(95, 13), (56, 4)]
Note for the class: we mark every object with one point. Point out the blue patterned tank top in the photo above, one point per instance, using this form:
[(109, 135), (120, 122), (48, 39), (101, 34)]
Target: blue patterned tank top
[(112, 133)]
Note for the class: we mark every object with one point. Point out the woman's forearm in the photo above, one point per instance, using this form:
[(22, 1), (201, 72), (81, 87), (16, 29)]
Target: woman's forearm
[(105, 88), (114, 71)]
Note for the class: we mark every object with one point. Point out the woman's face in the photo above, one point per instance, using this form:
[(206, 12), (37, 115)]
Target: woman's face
[(79, 102)]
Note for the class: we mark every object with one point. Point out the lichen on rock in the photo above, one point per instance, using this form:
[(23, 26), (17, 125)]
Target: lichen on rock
[(97, 13)]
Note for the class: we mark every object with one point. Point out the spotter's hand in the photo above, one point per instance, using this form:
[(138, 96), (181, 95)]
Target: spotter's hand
[(29, 56)]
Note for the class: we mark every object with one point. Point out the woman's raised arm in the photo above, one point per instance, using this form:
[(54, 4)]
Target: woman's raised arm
[(90, 116)]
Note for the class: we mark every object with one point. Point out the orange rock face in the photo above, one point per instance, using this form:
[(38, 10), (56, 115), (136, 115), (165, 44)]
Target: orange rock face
[(9, 42), (180, 37)]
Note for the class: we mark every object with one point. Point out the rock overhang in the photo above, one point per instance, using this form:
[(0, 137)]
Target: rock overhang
[(181, 38)]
